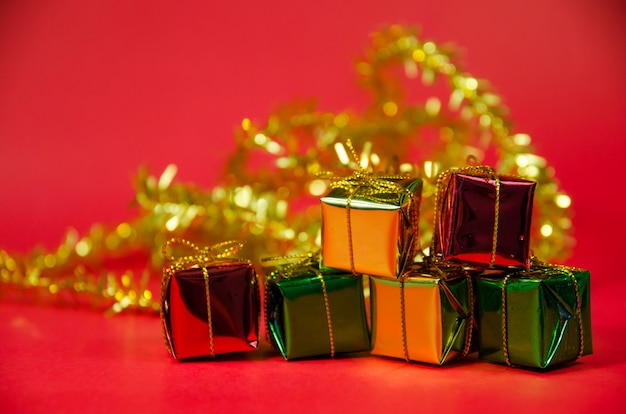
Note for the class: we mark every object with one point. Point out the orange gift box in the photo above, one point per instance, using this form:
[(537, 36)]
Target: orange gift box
[(422, 317), (364, 231)]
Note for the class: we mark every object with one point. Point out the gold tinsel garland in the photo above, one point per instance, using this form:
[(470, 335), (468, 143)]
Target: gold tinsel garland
[(426, 116)]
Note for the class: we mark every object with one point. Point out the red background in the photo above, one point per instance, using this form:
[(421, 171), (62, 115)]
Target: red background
[(91, 90)]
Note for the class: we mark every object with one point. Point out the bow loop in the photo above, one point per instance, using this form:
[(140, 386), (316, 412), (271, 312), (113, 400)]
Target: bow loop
[(367, 184), (214, 254), (287, 265), (475, 167)]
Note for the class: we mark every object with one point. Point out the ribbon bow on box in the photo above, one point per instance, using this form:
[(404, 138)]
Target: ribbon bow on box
[(482, 217), (535, 317), (370, 221), (311, 311)]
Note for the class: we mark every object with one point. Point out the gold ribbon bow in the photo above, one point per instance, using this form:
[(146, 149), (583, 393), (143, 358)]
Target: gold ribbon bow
[(539, 268), (202, 257), (428, 267), (370, 186), (287, 266), (216, 253), (474, 168)]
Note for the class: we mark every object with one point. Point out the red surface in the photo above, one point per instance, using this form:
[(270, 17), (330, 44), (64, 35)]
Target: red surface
[(90, 90)]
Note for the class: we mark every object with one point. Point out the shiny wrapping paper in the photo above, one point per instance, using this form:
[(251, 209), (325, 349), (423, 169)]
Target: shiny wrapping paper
[(234, 305), (437, 317), (379, 235), (297, 320), (542, 328), (465, 228)]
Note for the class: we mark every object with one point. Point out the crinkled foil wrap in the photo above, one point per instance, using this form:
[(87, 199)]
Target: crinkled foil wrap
[(468, 220), (542, 329), (436, 317), (380, 237), (234, 305), (297, 318)]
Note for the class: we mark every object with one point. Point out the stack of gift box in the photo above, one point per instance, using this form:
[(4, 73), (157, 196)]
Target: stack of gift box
[(478, 288)]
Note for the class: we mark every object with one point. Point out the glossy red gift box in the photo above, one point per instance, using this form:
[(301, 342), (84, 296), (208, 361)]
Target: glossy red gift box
[(233, 304), (472, 207)]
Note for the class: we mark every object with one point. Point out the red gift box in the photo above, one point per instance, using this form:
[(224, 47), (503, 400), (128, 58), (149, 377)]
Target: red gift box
[(484, 218), (227, 322)]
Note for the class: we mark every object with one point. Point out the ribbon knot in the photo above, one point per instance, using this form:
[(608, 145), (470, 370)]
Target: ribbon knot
[(287, 265), (214, 254), (475, 167), (367, 185)]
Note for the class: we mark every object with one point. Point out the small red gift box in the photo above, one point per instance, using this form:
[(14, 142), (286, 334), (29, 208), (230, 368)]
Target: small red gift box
[(209, 309), (483, 217)]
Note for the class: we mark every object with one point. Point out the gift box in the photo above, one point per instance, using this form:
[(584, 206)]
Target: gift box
[(313, 313), (425, 315), (536, 318), (211, 308), (483, 218), (370, 226)]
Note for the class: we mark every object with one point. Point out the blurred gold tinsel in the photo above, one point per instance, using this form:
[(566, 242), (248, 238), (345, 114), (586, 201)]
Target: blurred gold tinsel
[(426, 116)]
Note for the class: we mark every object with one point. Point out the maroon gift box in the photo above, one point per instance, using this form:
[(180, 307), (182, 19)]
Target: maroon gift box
[(465, 224), (234, 307)]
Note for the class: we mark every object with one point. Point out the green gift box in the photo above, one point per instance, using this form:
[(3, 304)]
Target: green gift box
[(536, 318), (313, 313)]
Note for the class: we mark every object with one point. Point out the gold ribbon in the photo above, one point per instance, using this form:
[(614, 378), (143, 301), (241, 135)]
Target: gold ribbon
[(218, 252), (540, 268), (368, 185), (475, 169), (288, 265), (427, 268), (202, 257)]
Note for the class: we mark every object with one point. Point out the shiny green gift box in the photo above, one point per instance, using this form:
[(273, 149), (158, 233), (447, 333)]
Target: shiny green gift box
[(315, 313), (537, 318)]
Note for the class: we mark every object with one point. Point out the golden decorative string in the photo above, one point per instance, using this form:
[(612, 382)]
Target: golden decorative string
[(328, 318), (205, 273), (505, 322), (542, 269), (405, 346), (203, 255), (426, 114), (496, 222), (469, 331), (349, 230)]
